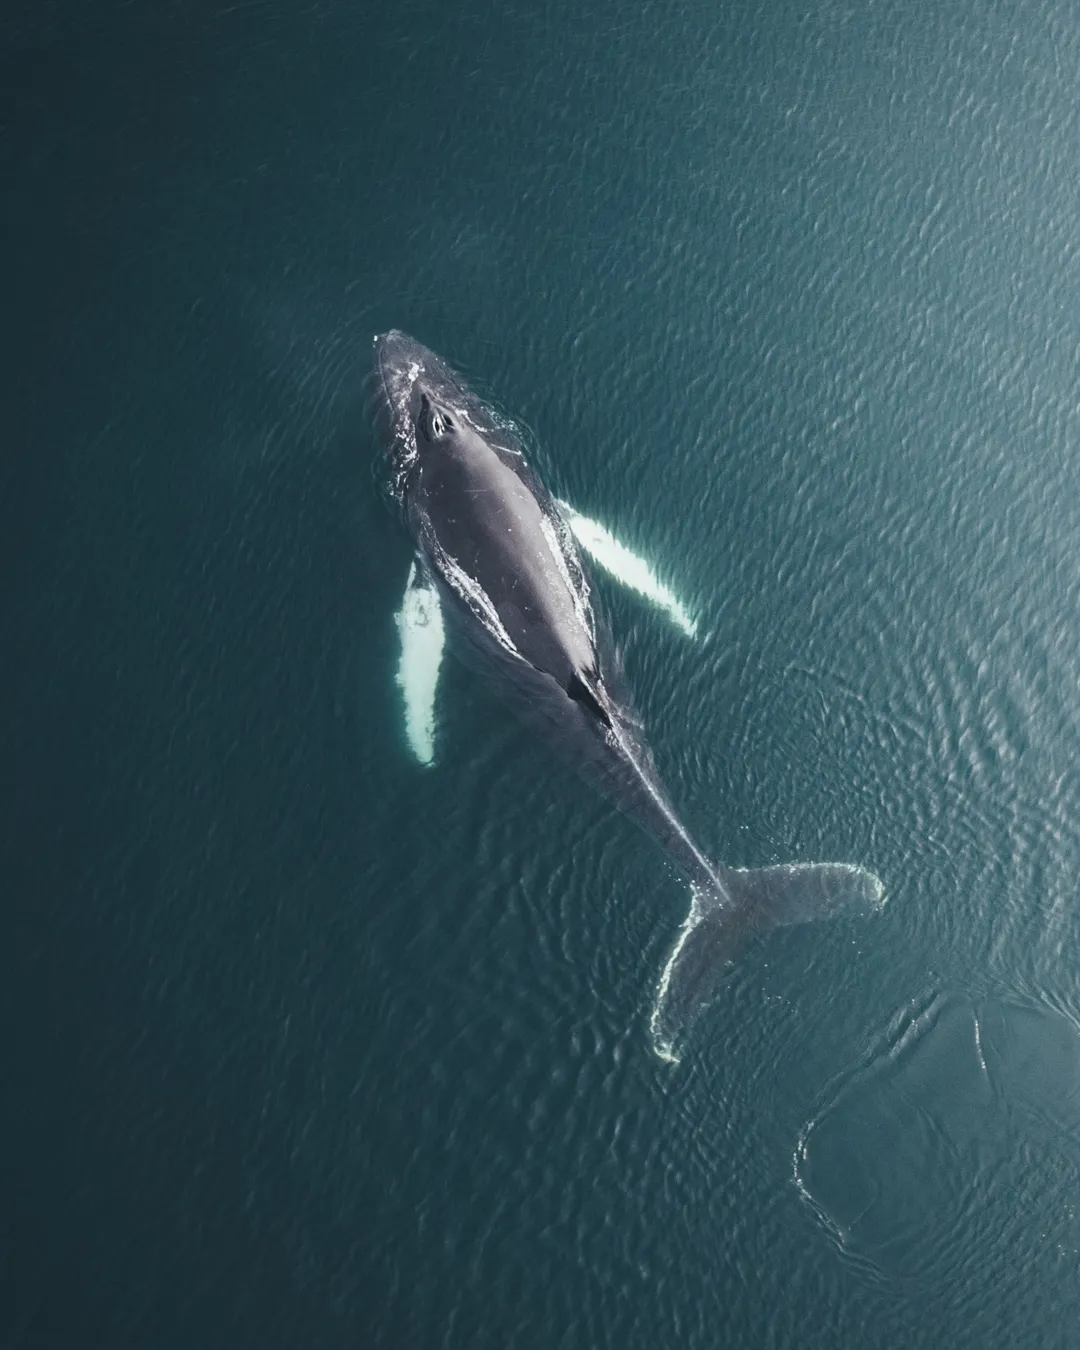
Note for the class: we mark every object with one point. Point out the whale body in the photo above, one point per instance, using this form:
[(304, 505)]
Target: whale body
[(498, 563)]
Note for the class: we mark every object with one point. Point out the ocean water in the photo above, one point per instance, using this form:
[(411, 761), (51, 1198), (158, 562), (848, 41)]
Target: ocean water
[(309, 1044)]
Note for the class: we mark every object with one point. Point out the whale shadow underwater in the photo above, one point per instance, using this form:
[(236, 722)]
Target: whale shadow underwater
[(499, 566)]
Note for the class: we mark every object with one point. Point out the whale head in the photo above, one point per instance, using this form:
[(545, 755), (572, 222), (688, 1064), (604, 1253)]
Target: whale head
[(422, 407), (416, 401)]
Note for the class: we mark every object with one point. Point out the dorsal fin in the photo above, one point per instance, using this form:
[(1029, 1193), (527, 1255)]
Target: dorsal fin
[(580, 692)]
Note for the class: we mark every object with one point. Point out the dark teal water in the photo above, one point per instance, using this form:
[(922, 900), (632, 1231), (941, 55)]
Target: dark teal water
[(308, 1046)]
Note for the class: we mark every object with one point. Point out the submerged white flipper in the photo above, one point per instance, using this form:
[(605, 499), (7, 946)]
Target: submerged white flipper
[(627, 567), (420, 625)]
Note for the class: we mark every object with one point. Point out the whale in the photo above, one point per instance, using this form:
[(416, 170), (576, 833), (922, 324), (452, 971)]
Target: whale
[(503, 569)]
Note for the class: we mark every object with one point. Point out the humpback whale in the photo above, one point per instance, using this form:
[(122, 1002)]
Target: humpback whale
[(499, 565)]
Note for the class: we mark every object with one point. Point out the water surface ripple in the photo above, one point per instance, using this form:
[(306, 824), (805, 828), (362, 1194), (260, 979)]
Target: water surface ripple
[(310, 1045)]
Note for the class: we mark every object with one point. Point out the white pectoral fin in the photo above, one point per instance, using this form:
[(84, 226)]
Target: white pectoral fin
[(627, 567), (420, 626)]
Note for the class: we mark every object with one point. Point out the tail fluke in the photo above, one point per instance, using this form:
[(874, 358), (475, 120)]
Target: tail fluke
[(722, 916)]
